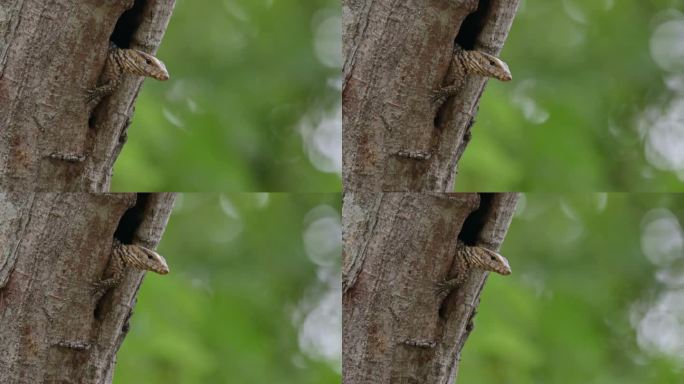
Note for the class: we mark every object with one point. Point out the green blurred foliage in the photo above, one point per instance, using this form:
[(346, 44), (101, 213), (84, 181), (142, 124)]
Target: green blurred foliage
[(244, 73), (569, 312), (239, 271), (584, 71)]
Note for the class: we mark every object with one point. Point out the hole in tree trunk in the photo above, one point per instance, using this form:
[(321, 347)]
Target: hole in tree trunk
[(125, 232), (473, 224), (131, 219), (470, 233), (91, 121), (472, 26), (127, 24)]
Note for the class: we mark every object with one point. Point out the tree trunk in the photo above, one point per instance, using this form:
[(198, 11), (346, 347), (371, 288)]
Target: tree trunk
[(51, 54), (53, 247), (398, 246), (396, 53)]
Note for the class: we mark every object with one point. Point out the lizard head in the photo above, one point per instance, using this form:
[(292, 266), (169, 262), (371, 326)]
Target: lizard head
[(143, 64), (145, 259), (486, 65), (487, 260)]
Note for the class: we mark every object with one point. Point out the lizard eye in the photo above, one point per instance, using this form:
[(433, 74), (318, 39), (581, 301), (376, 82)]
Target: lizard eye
[(492, 258), (492, 63), (149, 257), (148, 61)]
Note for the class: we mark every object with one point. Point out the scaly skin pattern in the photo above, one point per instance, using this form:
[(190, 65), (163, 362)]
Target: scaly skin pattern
[(470, 63), (131, 255), (475, 257), (125, 61)]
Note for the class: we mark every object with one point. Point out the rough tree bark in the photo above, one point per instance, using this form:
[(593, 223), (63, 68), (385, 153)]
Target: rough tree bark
[(397, 248), (51, 54), (53, 247), (396, 53)]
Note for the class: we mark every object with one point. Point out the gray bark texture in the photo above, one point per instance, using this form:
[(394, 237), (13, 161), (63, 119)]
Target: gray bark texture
[(53, 247), (51, 54), (395, 54), (397, 248)]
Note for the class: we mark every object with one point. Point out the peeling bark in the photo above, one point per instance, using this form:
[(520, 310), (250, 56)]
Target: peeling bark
[(53, 247), (396, 53), (397, 247), (51, 54)]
